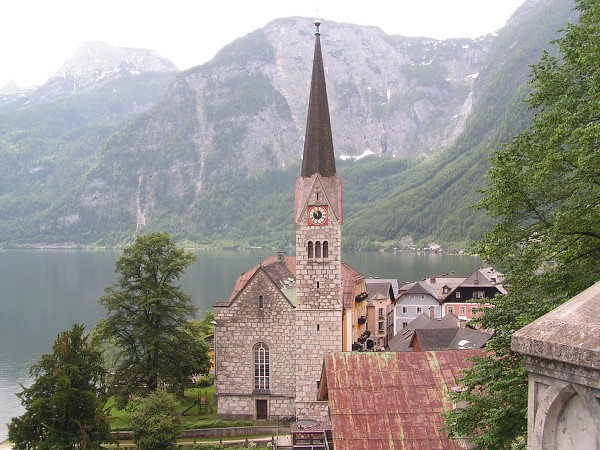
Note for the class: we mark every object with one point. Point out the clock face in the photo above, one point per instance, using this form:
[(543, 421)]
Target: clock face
[(317, 215)]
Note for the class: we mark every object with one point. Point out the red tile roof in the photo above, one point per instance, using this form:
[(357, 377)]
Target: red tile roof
[(384, 400)]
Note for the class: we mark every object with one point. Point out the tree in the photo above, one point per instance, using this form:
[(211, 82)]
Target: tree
[(185, 354), (544, 191), (156, 421), (64, 405), (147, 316)]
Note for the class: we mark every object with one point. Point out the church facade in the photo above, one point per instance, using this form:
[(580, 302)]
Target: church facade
[(284, 315)]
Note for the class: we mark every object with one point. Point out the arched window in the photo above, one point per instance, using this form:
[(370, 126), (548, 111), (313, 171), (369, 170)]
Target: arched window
[(310, 250), (261, 302), (317, 249), (261, 366), (325, 249)]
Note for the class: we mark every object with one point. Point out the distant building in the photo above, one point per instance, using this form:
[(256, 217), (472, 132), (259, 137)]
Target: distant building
[(438, 296), (380, 310), (466, 300), (448, 333)]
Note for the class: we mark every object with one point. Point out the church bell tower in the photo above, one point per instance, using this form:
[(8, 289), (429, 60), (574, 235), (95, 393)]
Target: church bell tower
[(318, 219)]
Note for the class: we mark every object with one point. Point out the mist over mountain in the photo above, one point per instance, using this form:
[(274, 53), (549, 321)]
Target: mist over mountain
[(119, 141)]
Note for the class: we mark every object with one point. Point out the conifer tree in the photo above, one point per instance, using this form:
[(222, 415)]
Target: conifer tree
[(64, 407)]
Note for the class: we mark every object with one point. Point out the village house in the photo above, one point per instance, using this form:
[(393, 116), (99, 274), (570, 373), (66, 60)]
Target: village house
[(380, 308), (438, 296), (448, 333), (470, 296)]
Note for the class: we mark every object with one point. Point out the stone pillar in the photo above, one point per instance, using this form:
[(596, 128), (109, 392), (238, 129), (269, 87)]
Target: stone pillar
[(562, 357)]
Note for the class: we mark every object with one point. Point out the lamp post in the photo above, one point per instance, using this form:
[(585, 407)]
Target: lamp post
[(214, 324)]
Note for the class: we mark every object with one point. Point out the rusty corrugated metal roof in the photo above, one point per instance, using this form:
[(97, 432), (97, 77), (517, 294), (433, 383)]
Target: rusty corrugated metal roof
[(385, 400)]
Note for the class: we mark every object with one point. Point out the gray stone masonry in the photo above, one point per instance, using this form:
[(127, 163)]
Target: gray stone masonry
[(239, 327), (562, 356)]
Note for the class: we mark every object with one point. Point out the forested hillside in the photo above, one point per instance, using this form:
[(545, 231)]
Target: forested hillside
[(213, 152)]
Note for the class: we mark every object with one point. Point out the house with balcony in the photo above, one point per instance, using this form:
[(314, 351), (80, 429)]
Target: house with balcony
[(380, 307), (473, 293)]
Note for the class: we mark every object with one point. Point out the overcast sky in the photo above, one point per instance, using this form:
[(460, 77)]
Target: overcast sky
[(38, 36)]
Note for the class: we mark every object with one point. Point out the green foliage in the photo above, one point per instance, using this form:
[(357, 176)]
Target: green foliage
[(64, 405), (205, 381), (225, 424), (544, 191), (147, 319), (156, 421)]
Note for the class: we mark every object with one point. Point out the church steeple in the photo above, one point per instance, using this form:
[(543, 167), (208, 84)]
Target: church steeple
[(318, 157)]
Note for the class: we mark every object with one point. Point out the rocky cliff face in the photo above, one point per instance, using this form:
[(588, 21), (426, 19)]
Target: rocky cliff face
[(388, 94), (244, 112), (196, 162)]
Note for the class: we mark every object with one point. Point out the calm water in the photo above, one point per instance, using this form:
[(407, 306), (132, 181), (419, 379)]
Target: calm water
[(43, 292)]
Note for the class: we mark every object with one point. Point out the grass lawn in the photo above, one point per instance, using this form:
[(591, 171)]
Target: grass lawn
[(193, 418)]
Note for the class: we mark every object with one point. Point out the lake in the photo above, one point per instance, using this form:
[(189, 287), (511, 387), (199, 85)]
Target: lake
[(43, 292)]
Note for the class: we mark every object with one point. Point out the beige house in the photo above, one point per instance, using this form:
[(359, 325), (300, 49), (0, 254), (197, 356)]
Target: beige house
[(380, 308)]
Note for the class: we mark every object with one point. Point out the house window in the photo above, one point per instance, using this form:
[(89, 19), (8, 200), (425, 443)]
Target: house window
[(261, 302), (381, 327), (317, 249), (458, 295), (450, 309), (310, 250), (404, 324), (404, 310), (463, 311), (478, 294), (325, 249), (380, 313), (318, 284), (261, 366), (419, 310)]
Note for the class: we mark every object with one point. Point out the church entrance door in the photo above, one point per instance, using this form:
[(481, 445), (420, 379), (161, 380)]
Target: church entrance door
[(261, 409)]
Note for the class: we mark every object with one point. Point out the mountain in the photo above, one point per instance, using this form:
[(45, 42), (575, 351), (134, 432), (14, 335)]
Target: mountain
[(212, 159), (94, 64)]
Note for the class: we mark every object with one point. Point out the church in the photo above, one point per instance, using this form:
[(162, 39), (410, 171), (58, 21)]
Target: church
[(285, 314)]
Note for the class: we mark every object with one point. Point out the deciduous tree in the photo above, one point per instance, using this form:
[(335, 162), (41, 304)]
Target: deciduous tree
[(147, 317), (156, 421), (544, 190), (64, 405)]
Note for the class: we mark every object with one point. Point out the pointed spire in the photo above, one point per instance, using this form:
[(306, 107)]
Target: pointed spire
[(318, 145)]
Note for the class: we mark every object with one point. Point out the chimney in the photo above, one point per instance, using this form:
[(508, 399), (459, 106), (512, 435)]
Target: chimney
[(432, 280), (280, 256)]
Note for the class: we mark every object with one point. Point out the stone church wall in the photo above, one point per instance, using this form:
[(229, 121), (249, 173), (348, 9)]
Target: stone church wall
[(240, 326)]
